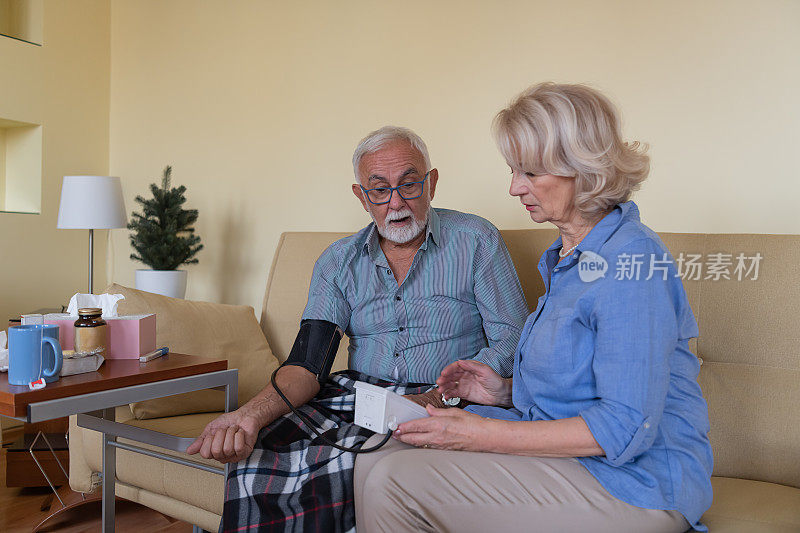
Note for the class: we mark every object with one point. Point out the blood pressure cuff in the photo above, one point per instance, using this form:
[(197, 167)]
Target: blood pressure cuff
[(315, 347)]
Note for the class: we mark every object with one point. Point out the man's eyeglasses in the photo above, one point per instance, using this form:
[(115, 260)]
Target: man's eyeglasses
[(407, 191)]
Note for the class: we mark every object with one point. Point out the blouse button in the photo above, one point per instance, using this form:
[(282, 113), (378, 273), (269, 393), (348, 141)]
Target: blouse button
[(647, 425)]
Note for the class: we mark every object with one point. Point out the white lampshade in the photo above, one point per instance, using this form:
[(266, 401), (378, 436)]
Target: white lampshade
[(91, 202)]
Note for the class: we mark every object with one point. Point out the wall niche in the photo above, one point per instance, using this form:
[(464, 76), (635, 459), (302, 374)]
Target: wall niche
[(20, 167), (22, 20)]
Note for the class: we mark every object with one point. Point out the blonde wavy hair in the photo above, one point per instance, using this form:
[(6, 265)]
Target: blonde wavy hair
[(573, 131)]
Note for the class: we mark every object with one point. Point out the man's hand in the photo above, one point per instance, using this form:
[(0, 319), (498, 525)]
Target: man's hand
[(475, 382), (229, 438), (446, 429), (432, 397), (232, 436)]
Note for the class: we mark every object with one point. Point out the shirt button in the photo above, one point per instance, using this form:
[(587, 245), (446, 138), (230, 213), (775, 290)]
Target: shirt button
[(397, 355), (397, 298), (647, 425), (401, 329), (388, 270)]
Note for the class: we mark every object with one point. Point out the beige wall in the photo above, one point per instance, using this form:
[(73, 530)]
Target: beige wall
[(64, 86), (258, 106)]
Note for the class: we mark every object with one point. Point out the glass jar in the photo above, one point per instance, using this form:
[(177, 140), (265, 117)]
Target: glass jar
[(91, 332)]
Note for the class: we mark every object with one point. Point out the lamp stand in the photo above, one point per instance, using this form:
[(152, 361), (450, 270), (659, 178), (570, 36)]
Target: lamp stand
[(91, 260)]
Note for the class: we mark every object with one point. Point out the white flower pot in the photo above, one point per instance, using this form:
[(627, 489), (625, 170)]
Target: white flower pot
[(167, 282)]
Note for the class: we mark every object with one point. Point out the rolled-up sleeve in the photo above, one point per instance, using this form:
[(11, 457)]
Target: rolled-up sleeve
[(500, 302), (636, 332), (326, 301)]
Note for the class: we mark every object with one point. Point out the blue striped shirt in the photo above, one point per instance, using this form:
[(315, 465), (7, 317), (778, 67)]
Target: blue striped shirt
[(461, 299)]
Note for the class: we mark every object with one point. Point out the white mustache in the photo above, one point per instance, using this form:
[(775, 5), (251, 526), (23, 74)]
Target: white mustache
[(397, 215)]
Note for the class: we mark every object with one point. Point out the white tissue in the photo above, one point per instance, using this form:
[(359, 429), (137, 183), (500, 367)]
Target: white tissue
[(3, 352), (106, 302)]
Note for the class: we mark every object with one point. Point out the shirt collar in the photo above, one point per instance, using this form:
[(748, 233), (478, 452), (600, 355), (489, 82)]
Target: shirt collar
[(604, 229), (434, 230), (433, 233), (372, 247)]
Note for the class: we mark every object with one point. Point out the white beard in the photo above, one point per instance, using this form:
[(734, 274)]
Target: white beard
[(404, 234)]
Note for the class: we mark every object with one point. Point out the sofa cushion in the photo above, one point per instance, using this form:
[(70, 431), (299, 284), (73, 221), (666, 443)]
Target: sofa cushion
[(203, 519), (755, 423), (287, 290), (753, 321), (742, 506), (525, 248), (206, 329)]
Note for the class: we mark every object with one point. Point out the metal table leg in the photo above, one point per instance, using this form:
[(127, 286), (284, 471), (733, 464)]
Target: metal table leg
[(109, 475), (42, 470), (231, 402), (103, 421)]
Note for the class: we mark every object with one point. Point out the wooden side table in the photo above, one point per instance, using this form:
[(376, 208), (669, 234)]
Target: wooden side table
[(21, 468), (94, 395)]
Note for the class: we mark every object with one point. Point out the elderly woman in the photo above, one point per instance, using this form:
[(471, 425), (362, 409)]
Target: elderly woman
[(602, 426)]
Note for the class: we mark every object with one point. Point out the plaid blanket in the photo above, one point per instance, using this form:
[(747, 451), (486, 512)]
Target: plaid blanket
[(293, 481)]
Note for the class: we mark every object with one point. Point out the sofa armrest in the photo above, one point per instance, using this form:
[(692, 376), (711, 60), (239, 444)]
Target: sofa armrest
[(81, 477)]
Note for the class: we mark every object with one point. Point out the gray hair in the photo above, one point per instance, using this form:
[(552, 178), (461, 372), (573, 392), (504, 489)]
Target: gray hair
[(378, 138), (573, 131)]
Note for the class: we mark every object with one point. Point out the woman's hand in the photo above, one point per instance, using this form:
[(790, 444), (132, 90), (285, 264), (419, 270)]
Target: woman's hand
[(446, 429), (475, 382)]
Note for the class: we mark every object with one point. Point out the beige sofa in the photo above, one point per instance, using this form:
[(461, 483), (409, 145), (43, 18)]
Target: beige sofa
[(749, 344)]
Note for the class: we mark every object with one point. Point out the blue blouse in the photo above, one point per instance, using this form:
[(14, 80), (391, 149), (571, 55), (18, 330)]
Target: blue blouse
[(608, 341)]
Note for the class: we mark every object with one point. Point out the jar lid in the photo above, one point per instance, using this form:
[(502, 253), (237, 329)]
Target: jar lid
[(90, 311)]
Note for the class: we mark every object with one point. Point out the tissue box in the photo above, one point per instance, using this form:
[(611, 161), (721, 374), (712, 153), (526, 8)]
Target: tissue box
[(129, 336), (66, 329)]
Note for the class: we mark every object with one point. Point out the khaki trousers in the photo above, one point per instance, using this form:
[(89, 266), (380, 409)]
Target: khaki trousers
[(402, 488)]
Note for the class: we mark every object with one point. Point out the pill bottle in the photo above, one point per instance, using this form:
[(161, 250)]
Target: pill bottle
[(91, 332)]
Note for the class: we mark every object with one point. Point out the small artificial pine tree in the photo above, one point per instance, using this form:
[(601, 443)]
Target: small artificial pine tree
[(162, 235)]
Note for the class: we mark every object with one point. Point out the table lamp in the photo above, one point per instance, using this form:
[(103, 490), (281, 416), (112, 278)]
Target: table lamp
[(91, 202)]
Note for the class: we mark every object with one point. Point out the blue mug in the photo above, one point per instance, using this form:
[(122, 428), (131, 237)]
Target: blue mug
[(49, 351), (27, 356)]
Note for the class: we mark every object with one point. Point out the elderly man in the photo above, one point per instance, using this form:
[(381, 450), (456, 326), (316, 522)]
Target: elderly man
[(414, 291)]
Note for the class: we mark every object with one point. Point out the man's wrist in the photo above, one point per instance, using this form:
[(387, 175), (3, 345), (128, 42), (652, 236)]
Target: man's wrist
[(432, 397), (259, 409), (435, 396)]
